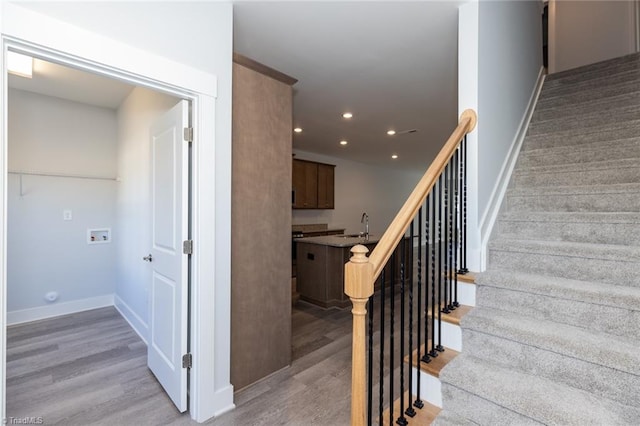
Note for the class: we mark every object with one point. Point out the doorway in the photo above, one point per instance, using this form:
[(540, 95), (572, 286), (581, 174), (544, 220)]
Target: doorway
[(83, 204)]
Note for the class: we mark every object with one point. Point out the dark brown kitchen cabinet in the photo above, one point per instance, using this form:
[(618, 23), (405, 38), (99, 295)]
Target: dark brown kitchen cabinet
[(312, 185), (305, 184), (326, 186)]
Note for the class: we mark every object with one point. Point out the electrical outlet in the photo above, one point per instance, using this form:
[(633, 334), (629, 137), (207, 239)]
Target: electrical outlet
[(67, 215)]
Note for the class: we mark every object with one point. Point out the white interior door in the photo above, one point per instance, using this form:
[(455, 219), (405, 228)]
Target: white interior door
[(169, 282)]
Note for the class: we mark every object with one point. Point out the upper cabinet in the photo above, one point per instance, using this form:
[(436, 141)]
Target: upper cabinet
[(312, 185)]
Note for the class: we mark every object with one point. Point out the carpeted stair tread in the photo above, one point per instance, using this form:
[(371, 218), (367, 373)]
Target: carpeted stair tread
[(564, 288), (587, 107), (596, 347), (584, 122), (565, 155), (569, 249), (620, 228), (592, 173), (608, 65), (622, 197), (592, 84), (480, 410), (600, 380), (586, 135), (577, 97), (607, 308), (537, 398), (448, 418)]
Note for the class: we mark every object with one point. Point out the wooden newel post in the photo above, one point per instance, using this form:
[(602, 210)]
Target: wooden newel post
[(358, 285)]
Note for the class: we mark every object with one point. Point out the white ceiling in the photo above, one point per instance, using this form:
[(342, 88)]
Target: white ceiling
[(392, 64), (67, 83)]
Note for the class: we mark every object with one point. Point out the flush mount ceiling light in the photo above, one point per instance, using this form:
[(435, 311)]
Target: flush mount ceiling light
[(347, 115), (343, 143), (19, 64), (298, 130), (394, 156), (391, 132)]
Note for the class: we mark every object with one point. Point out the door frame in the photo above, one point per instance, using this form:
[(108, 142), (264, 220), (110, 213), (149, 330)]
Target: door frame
[(210, 390)]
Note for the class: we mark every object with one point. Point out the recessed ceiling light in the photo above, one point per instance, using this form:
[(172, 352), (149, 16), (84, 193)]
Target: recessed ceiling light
[(391, 132), (394, 156), (347, 115), (297, 130), (19, 64), (343, 143)]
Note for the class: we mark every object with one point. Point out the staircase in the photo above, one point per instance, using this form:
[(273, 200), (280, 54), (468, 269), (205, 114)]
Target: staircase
[(555, 335)]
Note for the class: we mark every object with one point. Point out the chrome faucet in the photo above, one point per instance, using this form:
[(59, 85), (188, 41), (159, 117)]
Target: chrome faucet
[(365, 220)]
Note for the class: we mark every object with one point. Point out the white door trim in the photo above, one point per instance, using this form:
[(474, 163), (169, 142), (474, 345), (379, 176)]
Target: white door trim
[(22, 30)]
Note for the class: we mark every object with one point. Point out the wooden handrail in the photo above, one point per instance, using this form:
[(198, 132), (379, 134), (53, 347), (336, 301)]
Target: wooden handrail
[(361, 271), (390, 239)]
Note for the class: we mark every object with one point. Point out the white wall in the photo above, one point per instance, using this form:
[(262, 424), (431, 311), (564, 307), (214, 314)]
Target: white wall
[(500, 63), (584, 32), (360, 188), (135, 116), (45, 252)]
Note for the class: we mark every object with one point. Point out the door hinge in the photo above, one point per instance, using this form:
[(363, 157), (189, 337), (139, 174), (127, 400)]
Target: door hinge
[(187, 247), (188, 134), (187, 360)]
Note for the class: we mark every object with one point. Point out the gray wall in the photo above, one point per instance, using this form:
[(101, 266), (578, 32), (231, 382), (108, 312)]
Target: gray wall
[(584, 32), (510, 57), (46, 253)]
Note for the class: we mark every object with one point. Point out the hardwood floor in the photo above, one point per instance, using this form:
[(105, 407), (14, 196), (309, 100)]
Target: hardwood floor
[(90, 368)]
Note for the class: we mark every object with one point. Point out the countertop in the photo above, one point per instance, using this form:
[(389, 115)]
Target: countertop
[(338, 240)]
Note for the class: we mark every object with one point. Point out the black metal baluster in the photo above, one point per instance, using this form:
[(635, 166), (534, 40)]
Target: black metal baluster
[(450, 271), (401, 419), (439, 346), (463, 257), (434, 311), (457, 225), (418, 401), (392, 315), (370, 306), (426, 358), (381, 387), (445, 261)]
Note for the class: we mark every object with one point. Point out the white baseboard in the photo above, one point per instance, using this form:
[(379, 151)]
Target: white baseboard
[(138, 324), (490, 215), (57, 309)]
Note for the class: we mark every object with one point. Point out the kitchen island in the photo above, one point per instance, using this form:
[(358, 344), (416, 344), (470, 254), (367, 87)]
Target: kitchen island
[(320, 264)]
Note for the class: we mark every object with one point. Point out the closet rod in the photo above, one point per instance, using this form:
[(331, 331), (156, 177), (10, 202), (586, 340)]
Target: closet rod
[(61, 175)]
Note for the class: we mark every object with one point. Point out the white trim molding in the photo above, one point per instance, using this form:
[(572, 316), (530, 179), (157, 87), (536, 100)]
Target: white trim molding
[(57, 309), (490, 215), (139, 325)]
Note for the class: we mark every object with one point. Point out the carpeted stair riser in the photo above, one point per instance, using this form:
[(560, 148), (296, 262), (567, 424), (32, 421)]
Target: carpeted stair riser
[(570, 99), (602, 318), (552, 229), (580, 268), (599, 151), (585, 121), (587, 135), (529, 396), (595, 347), (602, 381), (555, 81), (592, 84), (590, 175), (621, 200), (479, 410), (608, 104)]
